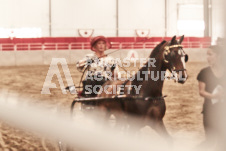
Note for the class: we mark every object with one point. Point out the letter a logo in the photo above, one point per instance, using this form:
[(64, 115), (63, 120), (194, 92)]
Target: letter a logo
[(54, 70)]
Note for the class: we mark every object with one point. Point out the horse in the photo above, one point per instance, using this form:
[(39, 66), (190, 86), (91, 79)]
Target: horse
[(150, 111)]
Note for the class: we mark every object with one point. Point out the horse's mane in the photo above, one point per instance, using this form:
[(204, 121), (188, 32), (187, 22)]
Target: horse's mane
[(157, 49), (153, 54)]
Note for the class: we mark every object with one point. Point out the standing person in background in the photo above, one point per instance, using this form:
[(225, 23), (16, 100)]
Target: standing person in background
[(211, 85), (101, 67)]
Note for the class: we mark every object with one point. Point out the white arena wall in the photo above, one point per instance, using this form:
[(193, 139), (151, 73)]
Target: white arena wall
[(44, 57), (105, 17)]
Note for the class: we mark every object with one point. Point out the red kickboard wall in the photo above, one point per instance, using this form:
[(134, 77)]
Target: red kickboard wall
[(73, 43)]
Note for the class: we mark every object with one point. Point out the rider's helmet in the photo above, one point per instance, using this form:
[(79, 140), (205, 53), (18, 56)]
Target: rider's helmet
[(98, 38)]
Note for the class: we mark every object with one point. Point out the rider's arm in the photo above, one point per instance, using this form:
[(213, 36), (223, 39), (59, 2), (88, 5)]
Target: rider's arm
[(115, 72), (115, 68), (81, 64), (84, 62)]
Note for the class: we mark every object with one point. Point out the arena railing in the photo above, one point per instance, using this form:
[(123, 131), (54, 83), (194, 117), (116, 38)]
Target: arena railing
[(86, 45)]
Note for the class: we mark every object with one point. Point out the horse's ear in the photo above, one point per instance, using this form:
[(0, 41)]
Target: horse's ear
[(165, 43), (173, 39), (162, 42), (181, 39)]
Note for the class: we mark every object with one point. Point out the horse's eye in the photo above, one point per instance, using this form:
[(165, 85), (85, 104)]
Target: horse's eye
[(186, 58)]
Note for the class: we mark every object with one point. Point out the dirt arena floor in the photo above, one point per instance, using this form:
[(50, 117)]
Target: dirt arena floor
[(183, 115)]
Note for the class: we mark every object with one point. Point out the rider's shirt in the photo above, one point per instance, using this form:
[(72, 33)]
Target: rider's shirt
[(98, 66)]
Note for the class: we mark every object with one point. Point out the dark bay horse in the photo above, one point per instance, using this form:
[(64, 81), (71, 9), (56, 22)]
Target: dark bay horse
[(167, 56)]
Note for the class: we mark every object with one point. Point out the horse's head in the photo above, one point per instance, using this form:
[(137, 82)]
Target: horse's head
[(174, 58)]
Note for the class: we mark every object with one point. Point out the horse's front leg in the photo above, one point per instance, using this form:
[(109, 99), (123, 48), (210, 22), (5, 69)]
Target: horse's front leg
[(155, 120), (120, 119), (160, 128)]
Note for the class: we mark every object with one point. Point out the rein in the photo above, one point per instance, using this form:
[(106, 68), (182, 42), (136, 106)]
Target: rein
[(145, 39), (119, 98)]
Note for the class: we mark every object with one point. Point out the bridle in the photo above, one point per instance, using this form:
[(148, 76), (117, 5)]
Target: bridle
[(169, 54)]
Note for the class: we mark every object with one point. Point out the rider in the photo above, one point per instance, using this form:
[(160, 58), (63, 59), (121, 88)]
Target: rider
[(100, 66)]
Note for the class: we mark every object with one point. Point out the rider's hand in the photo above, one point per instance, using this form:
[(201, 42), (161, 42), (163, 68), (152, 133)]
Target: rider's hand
[(89, 61), (80, 65), (113, 67)]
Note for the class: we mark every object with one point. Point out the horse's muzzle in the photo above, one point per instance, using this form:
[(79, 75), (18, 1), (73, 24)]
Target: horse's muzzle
[(182, 81), (182, 77)]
